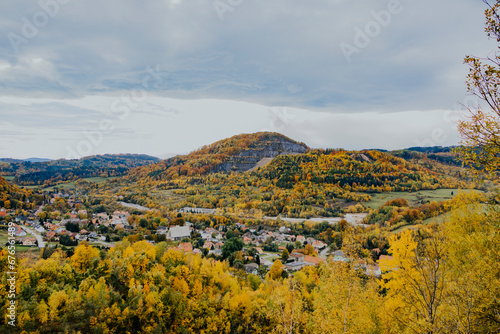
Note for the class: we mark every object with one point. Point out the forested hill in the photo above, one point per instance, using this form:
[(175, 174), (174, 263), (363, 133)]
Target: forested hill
[(9, 192), (12, 197), (364, 171), (51, 172), (238, 153), (440, 154), (5, 187), (317, 182)]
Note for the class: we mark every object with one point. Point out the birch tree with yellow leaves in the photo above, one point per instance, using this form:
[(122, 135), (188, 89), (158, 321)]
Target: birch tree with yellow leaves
[(286, 306), (481, 131), (474, 255), (344, 301), (415, 280)]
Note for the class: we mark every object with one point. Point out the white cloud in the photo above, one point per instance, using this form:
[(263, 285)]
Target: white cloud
[(160, 126)]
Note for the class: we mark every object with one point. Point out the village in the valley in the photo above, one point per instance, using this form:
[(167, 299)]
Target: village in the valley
[(260, 247)]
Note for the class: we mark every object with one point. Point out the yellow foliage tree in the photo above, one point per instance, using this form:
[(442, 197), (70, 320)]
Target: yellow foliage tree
[(275, 271), (474, 252), (286, 306), (481, 132), (83, 257), (344, 302), (416, 280)]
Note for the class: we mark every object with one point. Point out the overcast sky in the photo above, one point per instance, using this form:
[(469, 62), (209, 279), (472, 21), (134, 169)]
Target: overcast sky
[(167, 76)]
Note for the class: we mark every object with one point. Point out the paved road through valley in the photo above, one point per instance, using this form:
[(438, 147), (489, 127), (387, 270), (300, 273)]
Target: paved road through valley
[(38, 237)]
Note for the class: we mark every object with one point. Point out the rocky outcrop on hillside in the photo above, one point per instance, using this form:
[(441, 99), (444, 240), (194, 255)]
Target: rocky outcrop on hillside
[(236, 154), (267, 148)]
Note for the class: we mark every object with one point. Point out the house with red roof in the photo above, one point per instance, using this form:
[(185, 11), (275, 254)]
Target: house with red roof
[(312, 260), (186, 247), (29, 242)]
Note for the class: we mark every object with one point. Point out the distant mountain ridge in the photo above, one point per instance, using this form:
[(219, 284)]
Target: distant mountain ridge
[(440, 154), (10, 160), (49, 172), (238, 154), (37, 160)]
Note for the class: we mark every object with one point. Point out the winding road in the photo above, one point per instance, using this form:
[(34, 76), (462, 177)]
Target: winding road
[(352, 218), (41, 243), (134, 206)]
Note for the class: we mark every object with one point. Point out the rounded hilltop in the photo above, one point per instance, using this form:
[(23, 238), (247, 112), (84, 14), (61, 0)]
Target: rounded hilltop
[(238, 153)]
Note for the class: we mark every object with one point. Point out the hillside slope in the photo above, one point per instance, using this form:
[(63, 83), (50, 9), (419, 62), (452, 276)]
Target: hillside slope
[(365, 171), (238, 154), (12, 197), (315, 183)]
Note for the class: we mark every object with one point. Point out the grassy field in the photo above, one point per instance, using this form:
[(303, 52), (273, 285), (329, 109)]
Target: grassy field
[(71, 185), (29, 187), (272, 258), (167, 196), (98, 179), (438, 220), (9, 178), (21, 248), (3, 237), (414, 198)]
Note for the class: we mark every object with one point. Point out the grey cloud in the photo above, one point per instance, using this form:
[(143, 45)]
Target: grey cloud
[(53, 115), (280, 52)]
